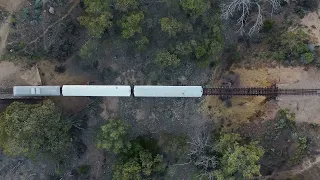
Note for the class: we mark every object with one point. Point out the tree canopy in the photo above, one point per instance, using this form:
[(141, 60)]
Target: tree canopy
[(131, 24), (138, 164), (195, 7), (166, 59), (170, 26), (33, 130), (97, 18), (238, 161), (113, 136), (135, 161), (125, 5)]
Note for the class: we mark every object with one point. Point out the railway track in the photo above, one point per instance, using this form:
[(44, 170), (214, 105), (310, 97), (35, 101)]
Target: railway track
[(218, 91), (255, 91)]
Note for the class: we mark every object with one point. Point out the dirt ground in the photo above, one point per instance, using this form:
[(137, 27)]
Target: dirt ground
[(311, 23), (12, 5), (12, 74)]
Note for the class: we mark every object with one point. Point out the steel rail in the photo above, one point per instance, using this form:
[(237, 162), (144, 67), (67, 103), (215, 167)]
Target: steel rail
[(255, 91)]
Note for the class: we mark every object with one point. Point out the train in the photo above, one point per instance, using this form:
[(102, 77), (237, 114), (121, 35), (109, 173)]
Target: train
[(109, 91)]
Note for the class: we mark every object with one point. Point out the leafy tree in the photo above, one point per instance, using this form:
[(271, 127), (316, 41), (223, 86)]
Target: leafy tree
[(97, 18), (33, 130), (113, 136), (238, 161), (88, 49), (166, 59), (195, 7), (131, 25), (171, 26), (138, 164), (125, 5)]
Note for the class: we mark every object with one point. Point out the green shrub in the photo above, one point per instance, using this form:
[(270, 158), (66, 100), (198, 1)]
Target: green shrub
[(166, 59), (87, 51), (84, 169), (173, 144), (290, 45), (38, 4), (300, 152), (309, 57), (267, 25), (171, 26), (142, 43), (131, 24), (201, 51)]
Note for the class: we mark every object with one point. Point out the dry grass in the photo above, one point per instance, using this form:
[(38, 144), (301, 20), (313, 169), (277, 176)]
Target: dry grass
[(243, 108)]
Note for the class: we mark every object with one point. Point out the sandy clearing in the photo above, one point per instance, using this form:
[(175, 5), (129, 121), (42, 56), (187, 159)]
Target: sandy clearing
[(11, 5), (312, 25), (306, 108), (12, 74)]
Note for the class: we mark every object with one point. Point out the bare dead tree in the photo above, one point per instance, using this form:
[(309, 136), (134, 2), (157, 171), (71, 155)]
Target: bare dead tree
[(230, 8)]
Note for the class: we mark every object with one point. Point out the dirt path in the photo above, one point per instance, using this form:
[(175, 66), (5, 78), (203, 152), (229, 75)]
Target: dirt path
[(4, 33)]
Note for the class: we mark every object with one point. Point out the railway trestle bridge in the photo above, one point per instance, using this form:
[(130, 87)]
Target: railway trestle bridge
[(257, 91)]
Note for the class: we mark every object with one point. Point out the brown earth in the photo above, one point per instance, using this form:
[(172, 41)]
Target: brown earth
[(12, 5), (243, 109), (311, 23)]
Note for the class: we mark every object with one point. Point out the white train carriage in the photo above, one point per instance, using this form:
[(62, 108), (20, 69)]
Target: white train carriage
[(96, 90), (36, 90), (168, 91)]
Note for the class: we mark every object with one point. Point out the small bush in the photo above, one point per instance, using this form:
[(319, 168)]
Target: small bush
[(166, 59), (88, 49), (300, 152), (173, 144), (290, 46), (309, 57), (267, 25), (311, 5), (142, 43), (84, 169)]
